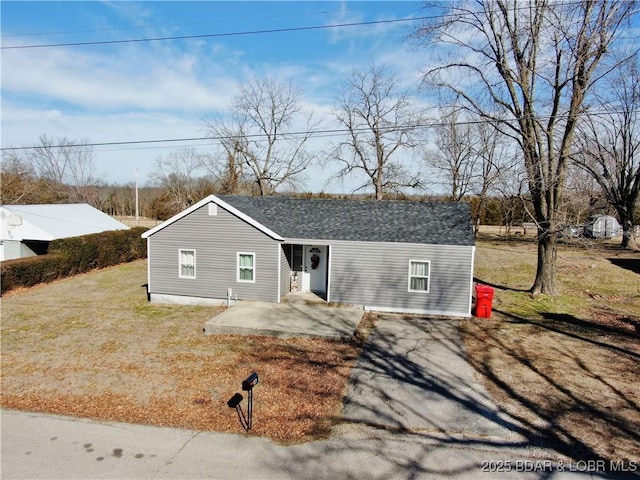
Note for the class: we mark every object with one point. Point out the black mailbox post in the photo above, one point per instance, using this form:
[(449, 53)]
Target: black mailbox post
[(247, 385), (250, 382), (234, 402)]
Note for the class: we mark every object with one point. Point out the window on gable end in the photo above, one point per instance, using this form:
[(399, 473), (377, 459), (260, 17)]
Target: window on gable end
[(187, 263), (246, 267)]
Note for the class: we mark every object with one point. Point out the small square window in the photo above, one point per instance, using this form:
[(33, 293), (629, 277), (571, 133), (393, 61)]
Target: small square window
[(419, 273), (246, 267), (187, 262)]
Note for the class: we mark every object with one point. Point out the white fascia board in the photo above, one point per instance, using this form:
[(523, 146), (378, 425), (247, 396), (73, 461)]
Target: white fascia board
[(308, 241), (220, 203), (311, 241)]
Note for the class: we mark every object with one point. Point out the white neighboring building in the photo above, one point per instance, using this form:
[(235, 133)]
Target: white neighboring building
[(26, 230), (602, 226)]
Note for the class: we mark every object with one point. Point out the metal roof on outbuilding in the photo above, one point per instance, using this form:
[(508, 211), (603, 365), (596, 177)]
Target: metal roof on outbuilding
[(53, 221)]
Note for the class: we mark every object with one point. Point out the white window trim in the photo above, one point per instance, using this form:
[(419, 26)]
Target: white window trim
[(409, 289), (238, 267), (180, 275)]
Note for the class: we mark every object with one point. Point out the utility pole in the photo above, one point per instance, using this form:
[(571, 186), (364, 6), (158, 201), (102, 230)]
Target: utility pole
[(137, 217)]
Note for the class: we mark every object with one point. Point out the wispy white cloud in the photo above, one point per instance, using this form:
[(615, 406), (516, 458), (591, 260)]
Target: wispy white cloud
[(136, 79)]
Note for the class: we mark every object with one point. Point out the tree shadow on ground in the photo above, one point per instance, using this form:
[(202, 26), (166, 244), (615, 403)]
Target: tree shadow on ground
[(594, 335), (585, 330), (414, 408), (632, 264)]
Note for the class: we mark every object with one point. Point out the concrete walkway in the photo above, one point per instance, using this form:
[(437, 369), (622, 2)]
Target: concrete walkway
[(301, 316)]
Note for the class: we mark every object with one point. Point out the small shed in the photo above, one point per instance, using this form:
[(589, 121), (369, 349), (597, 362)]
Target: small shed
[(27, 230), (602, 226), (408, 257)]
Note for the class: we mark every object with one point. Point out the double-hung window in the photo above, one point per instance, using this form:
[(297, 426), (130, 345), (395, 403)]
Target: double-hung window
[(187, 262), (419, 271), (246, 267)]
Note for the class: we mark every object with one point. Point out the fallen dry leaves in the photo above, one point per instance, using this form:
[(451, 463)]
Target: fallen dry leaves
[(298, 397), (130, 361)]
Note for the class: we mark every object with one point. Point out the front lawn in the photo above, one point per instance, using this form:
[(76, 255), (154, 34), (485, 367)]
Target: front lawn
[(567, 367), (92, 346)]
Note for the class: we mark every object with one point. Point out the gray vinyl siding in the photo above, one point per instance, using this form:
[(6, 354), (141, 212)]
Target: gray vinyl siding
[(375, 274), (217, 239), (285, 272)]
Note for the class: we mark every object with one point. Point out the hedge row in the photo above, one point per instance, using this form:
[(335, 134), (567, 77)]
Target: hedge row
[(69, 256)]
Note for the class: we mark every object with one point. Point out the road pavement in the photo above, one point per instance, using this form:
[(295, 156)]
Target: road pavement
[(37, 446)]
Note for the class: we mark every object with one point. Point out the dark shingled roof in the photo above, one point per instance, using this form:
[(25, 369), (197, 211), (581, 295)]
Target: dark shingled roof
[(360, 220)]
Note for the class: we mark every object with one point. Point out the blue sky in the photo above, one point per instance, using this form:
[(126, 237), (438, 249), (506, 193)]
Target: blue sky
[(164, 89)]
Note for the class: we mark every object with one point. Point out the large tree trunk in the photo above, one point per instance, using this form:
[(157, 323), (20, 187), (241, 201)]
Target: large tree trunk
[(262, 187), (628, 239), (546, 273), (377, 184)]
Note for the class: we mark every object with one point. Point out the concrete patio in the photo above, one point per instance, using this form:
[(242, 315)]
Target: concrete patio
[(300, 315)]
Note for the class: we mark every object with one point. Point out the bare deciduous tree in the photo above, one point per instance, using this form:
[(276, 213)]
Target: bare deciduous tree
[(470, 155), (582, 199), (529, 68), (609, 145), (180, 176), (509, 186), (455, 157), (380, 121), (66, 168), (266, 133), (230, 172), (493, 161)]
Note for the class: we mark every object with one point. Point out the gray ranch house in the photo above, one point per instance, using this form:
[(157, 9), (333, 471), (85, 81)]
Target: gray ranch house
[(393, 256)]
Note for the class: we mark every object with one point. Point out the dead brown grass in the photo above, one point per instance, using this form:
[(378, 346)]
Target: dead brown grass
[(92, 346), (567, 367)]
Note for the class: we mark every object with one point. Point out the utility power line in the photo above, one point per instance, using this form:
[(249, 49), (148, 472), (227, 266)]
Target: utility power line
[(142, 27), (320, 133), (250, 32), (216, 35)]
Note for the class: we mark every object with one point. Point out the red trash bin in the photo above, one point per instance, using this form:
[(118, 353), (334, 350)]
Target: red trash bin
[(484, 299)]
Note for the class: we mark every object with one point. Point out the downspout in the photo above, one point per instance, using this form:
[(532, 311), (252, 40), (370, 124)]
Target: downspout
[(473, 262), (279, 259), (148, 269), (328, 273)]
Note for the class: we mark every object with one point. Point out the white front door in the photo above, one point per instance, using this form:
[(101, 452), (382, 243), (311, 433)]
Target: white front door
[(315, 267)]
